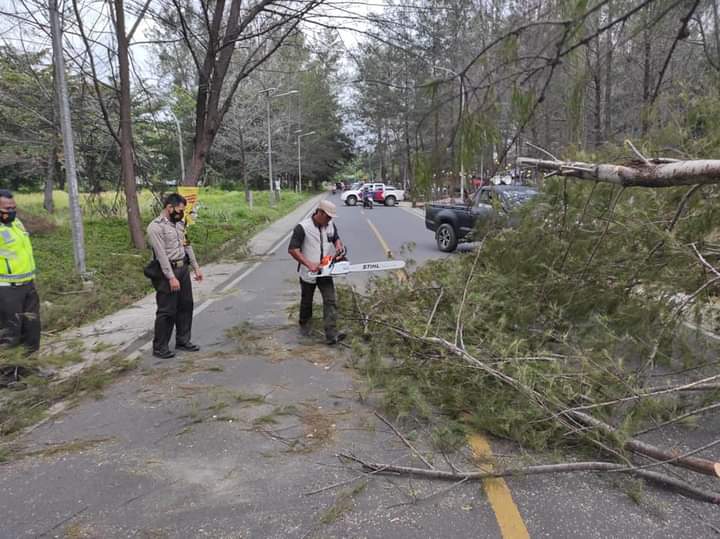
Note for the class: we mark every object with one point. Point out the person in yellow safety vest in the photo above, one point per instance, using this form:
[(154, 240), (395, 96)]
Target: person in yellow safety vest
[(19, 302)]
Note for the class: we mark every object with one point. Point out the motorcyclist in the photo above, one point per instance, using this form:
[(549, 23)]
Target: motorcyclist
[(367, 197)]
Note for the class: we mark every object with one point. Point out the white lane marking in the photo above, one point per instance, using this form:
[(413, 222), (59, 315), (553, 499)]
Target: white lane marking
[(414, 211), (244, 274)]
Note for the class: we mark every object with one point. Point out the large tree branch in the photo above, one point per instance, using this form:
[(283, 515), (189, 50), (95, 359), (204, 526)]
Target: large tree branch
[(659, 174), (139, 19), (248, 67), (677, 484)]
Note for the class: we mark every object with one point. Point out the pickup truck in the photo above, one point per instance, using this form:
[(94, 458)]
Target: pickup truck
[(453, 223), (381, 193)]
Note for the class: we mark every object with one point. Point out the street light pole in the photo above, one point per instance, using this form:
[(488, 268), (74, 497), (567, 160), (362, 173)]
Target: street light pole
[(268, 95), (301, 135), (180, 146), (269, 145)]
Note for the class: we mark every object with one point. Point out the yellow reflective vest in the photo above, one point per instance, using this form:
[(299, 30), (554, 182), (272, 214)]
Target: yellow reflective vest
[(17, 264)]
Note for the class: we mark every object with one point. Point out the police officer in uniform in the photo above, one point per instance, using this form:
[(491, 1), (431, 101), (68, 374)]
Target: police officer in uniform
[(313, 239), (19, 302), (166, 236)]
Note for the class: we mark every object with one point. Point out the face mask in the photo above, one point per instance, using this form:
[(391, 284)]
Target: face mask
[(8, 217), (176, 216)]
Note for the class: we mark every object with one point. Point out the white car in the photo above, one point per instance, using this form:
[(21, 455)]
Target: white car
[(381, 194)]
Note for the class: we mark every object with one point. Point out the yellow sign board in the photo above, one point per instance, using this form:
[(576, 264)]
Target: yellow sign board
[(191, 196)]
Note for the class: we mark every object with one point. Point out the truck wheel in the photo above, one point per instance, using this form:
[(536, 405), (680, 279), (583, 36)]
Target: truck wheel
[(390, 201), (351, 200), (446, 238)]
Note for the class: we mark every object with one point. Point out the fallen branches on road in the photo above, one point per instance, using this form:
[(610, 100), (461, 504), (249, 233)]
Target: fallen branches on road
[(571, 467), (695, 464)]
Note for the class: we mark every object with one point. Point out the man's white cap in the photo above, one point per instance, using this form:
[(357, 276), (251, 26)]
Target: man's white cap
[(328, 207)]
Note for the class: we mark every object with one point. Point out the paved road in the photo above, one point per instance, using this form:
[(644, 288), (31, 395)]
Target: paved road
[(230, 442)]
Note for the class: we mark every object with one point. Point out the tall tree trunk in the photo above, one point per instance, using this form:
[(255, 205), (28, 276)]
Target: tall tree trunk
[(53, 172), (716, 26), (48, 203), (91, 174), (127, 164), (607, 127), (199, 156), (607, 123), (381, 152), (647, 82), (408, 157), (53, 165), (597, 105), (243, 165)]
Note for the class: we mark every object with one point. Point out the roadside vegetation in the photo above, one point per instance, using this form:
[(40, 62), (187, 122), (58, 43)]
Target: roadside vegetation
[(225, 223)]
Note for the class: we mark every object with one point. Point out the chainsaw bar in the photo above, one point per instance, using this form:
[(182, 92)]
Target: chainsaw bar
[(383, 265), (344, 267)]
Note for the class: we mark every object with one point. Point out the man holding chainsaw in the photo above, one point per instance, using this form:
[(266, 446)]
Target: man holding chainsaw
[(315, 243)]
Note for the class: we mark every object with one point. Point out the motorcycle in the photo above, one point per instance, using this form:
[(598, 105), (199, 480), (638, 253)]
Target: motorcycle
[(368, 202)]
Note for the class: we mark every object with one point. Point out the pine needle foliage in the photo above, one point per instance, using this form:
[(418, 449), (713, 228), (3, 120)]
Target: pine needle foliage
[(583, 301)]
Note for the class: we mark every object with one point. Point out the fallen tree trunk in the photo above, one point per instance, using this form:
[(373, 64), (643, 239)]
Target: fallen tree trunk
[(592, 466), (658, 173), (699, 465)]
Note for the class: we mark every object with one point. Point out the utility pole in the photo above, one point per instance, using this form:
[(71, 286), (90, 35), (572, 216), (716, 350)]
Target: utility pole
[(76, 221)]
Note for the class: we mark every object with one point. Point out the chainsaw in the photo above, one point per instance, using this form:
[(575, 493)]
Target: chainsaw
[(332, 266)]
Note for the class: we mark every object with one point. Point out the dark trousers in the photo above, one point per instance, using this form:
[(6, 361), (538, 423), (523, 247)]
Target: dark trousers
[(20, 316), (327, 290), (174, 310)]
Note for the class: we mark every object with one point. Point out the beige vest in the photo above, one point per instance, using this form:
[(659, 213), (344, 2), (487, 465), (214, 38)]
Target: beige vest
[(316, 245)]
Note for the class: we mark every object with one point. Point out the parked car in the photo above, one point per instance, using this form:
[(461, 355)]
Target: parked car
[(453, 223), (381, 194)]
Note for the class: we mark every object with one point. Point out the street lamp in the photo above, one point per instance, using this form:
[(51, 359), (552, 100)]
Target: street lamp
[(268, 96), (300, 135), (462, 112), (180, 145)]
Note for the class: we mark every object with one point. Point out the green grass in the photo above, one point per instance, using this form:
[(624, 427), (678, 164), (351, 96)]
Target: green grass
[(26, 404), (224, 225)]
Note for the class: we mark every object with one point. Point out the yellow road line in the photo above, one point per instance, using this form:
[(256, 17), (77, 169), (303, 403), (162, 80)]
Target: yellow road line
[(400, 274), (507, 514), (383, 243)]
